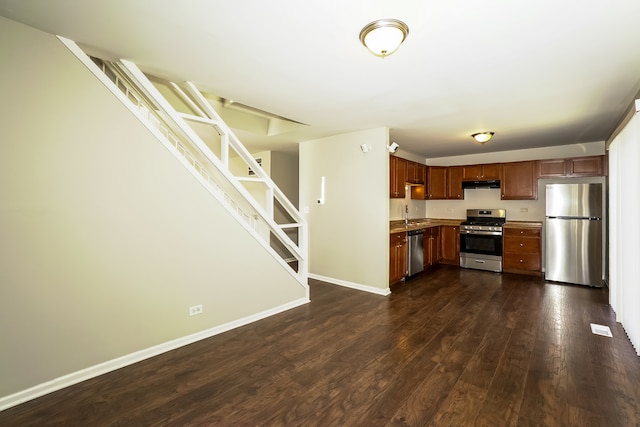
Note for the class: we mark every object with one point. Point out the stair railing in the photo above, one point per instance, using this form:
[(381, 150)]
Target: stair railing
[(134, 88)]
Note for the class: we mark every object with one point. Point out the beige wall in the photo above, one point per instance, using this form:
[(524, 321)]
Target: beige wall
[(105, 240), (285, 173), (348, 235)]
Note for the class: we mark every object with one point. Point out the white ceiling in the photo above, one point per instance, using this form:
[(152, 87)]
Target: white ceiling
[(538, 73)]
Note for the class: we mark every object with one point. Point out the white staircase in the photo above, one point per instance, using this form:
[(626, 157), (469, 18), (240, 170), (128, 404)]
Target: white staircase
[(194, 132)]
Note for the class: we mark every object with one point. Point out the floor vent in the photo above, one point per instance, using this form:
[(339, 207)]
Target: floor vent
[(601, 330)]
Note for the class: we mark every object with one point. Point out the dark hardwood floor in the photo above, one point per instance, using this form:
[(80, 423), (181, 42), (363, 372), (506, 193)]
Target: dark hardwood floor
[(450, 347)]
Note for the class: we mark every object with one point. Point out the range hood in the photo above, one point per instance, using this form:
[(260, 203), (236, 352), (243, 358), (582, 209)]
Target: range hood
[(494, 183)]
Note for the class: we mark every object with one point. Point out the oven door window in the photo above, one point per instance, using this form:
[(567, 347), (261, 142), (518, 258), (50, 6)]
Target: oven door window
[(481, 244)]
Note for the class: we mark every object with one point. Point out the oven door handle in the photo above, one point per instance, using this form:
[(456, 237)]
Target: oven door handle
[(481, 233)]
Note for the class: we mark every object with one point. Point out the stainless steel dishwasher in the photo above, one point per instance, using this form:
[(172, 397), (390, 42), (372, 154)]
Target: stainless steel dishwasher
[(415, 258)]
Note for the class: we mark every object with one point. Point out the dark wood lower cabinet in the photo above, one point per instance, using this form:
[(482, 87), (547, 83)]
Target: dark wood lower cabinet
[(450, 244), (522, 251), (431, 246), (440, 245), (397, 257)]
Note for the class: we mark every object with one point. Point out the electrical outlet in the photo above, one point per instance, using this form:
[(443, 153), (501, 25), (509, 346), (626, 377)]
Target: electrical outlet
[(196, 309)]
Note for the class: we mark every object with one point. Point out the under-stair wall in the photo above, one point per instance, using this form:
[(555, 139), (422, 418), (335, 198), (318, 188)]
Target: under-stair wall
[(105, 239)]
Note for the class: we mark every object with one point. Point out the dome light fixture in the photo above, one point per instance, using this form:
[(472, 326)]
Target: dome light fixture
[(384, 36), (482, 137)]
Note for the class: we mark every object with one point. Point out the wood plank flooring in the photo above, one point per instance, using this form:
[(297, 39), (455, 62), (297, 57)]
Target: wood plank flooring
[(450, 347)]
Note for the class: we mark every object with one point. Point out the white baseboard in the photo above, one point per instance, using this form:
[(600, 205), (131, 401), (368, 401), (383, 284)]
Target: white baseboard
[(365, 288), (129, 359)]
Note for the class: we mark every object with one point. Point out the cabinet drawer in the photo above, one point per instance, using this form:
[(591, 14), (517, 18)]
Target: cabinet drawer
[(521, 232), (524, 245), (397, 238), (521, 261)]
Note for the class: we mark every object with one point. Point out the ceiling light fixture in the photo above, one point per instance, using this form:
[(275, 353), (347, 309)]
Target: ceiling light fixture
[(482, 137), (384, 36)]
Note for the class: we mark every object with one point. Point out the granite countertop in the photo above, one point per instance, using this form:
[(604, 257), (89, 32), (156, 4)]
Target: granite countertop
[(398, 226), (523, 224)]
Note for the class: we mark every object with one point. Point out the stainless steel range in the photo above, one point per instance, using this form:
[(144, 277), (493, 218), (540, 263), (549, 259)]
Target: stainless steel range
[(481, 239)]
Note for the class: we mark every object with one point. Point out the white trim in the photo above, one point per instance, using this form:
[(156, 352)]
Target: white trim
[(358, 286), (138, 356)]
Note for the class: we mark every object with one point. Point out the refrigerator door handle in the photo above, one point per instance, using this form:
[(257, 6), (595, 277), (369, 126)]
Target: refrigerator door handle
[(590, 218)]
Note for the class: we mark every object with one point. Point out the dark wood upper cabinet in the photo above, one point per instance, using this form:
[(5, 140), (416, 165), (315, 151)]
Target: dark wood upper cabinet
[(454, 182), (481, 172), (519, 181), (588, 166), (436, 182), (397, 175), (415, 172), (552, 168), (573, 167)]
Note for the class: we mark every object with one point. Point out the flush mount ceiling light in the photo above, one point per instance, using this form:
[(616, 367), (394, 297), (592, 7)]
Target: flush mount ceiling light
[(384, 36), (482, 137)]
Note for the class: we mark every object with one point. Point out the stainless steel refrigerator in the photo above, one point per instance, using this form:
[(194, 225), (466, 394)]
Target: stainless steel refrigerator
[(574, 250)]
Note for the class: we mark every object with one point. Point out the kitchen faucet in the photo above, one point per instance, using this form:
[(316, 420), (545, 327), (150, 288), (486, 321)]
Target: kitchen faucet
[(406, 214)]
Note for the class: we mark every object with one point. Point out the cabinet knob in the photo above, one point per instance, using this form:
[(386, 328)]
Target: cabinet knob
[(521, 261), (521, 232), (521, 244)]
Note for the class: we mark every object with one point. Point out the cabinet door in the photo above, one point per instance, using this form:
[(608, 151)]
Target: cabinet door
[(411, 171), (490, 171), (415, 172), (552, 168), (454, 182), (586, 166), (397, 176), (450, 242), (421, 170), (471, 172), (519, 181), (418, 191), (430, 243), (436, 182), (397, 257), (481, 172)]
